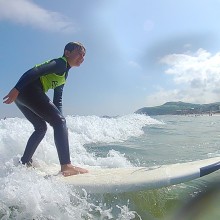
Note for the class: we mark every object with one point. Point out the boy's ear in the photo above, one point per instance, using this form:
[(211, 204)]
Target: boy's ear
[(67, 53)]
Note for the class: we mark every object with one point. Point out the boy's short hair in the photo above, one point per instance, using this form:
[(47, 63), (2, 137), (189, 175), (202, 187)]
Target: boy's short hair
[(74, 45)]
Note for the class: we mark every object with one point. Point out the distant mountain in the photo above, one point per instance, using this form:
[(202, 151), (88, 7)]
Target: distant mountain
[(180, 108)]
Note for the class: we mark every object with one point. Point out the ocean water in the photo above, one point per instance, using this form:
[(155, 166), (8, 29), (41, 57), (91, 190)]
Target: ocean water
[(125, 141)]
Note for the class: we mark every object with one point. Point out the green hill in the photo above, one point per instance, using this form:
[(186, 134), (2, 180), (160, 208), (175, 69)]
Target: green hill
[(180, 108)]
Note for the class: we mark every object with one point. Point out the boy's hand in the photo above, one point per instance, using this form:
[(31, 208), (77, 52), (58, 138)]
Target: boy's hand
[(12, 95)]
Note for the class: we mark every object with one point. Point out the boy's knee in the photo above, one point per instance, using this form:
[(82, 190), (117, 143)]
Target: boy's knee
[(58, 120), (42, 127)]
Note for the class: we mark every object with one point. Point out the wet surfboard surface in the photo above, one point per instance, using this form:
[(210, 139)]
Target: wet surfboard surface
[(116, 180)]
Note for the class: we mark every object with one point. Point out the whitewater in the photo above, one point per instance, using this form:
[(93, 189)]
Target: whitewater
[(24, 194), (123, 141)]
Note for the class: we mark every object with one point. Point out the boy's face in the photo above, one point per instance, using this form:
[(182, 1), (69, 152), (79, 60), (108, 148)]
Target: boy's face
[(75, 57)]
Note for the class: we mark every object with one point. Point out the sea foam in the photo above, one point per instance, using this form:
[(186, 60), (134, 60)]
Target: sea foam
[(25, 194), (14, 133)]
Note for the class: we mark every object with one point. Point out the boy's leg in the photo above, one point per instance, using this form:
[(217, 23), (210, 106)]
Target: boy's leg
[(39, 103), (36, 103), (40, 129)]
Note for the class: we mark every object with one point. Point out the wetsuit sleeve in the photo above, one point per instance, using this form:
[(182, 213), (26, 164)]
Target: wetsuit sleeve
[(57, 66), (57, 97)]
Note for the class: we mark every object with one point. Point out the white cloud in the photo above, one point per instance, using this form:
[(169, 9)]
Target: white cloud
[(28, 13), (201, 70), (196, 78)]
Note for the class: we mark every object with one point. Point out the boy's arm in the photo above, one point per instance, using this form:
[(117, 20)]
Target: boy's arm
[(57, 97), (35, 73)]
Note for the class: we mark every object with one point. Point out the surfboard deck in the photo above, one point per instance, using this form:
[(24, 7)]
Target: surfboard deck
[(115, 180)]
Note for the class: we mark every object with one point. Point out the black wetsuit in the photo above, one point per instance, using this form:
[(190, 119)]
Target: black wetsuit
[(39, 109)]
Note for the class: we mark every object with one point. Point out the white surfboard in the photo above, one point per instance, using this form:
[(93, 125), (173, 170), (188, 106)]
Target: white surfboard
[(115, 180)]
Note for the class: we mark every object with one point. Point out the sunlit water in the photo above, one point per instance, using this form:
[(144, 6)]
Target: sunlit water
[(131, 140)]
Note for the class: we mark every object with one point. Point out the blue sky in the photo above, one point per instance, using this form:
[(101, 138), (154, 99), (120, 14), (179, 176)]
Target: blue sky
[(139, 52)]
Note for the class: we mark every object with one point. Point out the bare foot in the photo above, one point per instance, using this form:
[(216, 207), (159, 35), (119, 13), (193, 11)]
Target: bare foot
[(69, 170)]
